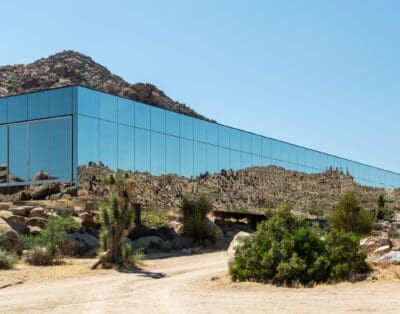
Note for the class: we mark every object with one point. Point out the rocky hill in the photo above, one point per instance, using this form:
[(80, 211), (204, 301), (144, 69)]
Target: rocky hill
[(73, 68)]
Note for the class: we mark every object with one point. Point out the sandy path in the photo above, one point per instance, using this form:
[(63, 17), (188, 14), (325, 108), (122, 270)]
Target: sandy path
[(192, 284)]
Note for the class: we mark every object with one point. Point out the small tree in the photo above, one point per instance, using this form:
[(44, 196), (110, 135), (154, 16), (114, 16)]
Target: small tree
[(116, 220), (348, 216), (381, 201)]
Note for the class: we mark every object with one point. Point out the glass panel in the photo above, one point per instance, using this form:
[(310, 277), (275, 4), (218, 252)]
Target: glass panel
[(223, 158), (142, 116), (126, 111), (108, 107), (200, 155), (18, 153), (186, 157), (172, 154), (126, 147), (88, 102), (172, 123), (157, 153), (301, 157), (39, 151), (223, 135), (275, 150), (3, 154), (266, 147), (60, 101), (266, 161), (245, 139), (309, 158), (212, 133), (235, 160), (246, 160), (234, 139), (38, 105), (285, 152), (212, 159), (256, 161), (186, 127), (17, 108), (256, 144), (142, 150), (108, 144), (292, 154), (88, 140), (60, 149), (157, 120), (199, 130), (3, 110)]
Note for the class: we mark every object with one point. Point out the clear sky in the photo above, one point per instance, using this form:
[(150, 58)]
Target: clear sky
[(323, 74)]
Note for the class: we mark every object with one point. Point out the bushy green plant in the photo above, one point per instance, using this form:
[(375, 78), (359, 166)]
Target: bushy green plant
[(6, 260), (130, 256), (154, 220), (348, 216), (284, 250), (39, 256), (52, 237), (194, 212)]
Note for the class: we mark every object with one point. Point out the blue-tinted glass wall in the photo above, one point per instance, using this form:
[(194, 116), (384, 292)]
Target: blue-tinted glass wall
[(125, 134), (36, 136)]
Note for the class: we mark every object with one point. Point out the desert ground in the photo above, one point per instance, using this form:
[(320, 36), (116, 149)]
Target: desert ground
[(185, 284)]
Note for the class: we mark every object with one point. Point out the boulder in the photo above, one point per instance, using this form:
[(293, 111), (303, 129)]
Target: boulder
[(36, 222), (182, 242), (33, 230), (371, 244), (234, 245), (12, 241), (148, 243), (71, 190), (213, 230), (392, 257), (382, 250), (5, 214), (56, 196), (39, 212), (20, 210), (87, 243)]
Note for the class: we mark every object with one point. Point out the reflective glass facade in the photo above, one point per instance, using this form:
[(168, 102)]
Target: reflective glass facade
[(55, 131)]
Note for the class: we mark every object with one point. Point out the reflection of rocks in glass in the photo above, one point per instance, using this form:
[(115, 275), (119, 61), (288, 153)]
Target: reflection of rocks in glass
[(14, 178), (3, 173), (42, 176)]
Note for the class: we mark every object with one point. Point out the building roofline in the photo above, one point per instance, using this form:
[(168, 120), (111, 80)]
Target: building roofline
[(212, 122)]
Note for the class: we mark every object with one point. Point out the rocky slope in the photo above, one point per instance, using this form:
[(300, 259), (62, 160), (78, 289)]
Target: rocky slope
[(72, 68)]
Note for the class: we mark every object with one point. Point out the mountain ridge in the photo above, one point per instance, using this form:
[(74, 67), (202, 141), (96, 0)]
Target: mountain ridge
[(69, 68)]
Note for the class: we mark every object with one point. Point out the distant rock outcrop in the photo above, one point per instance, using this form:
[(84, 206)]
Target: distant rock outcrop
[(73, 68)]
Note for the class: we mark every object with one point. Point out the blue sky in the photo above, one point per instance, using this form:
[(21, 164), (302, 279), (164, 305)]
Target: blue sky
[(322, 74)]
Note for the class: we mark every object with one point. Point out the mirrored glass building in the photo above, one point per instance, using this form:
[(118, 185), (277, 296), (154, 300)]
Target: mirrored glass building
[(45, 136)]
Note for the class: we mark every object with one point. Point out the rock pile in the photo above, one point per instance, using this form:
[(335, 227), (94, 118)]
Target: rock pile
[(72, 68)]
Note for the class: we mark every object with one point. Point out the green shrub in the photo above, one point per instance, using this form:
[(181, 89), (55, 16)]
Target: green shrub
[(194, 215), (53, 236), (345, 256), (130, 256), (154, 220), (349, 217), (284, 251), (39, 256), (6, 260)]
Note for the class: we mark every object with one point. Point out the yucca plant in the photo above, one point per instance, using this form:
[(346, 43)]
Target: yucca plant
[(116, 220)]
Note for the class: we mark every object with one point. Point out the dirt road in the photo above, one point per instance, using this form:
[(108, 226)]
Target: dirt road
[(191, 284)]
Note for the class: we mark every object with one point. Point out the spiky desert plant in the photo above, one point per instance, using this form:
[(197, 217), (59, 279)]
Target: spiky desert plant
[(116, 220)]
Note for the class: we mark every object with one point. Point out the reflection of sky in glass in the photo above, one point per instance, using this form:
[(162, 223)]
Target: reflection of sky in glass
[(131, 136)]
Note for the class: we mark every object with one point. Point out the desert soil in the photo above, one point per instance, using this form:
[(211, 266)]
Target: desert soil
[(188, 284)]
